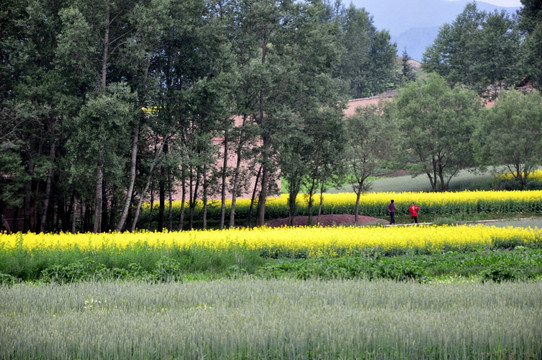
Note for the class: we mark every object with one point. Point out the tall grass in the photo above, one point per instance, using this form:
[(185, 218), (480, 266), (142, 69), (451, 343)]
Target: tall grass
[(259, 319)]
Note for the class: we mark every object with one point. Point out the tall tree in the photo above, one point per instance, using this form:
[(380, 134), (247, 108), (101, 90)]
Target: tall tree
[(373, 138), (104, 26), (31, 103), (325, 158), (368, 63), (478, 49), (144, 45), (437, 122), (530, 23), (510, 133), (407, 70), (259, 38)]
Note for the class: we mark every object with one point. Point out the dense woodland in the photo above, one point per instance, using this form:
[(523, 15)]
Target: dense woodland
[(105, 104)]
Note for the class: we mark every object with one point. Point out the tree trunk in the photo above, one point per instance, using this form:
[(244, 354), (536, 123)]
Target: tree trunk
[(356, 210), (130, 192), (162, 199), (265, 148), (74, 219), (183, 198), (295, 186), (321, 203), (265, 182), (170, 200), (6, 225), (193, 199), (205, 184), (291, 206), (223, 186), (50, 174), (99, 191), (103, 83), (104, 206), (28, 221), (151, 210), (309, 207), (250, 211), (149, 178), (236, 177)]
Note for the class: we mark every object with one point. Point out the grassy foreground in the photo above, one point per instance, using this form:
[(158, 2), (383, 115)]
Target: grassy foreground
[(271, 319)]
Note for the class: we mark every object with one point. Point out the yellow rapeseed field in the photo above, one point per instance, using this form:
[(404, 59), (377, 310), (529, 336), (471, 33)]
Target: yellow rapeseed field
[(312, 240), (375, 204)]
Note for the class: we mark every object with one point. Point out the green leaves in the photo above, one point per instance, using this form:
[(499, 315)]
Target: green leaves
[(480, 50), (510, 133), (437, 122), (368, 62)]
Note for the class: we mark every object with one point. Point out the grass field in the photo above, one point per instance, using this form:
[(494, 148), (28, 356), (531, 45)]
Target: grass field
[(114, 300), (464, 180), (272, 319), (533, 222)]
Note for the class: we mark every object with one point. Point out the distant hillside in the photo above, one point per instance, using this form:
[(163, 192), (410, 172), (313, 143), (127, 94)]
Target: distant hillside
[(414, 24), (415, 40)]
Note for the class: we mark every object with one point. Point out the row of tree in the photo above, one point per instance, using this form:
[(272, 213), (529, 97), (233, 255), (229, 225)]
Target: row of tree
[(75, 76), (104, 103)]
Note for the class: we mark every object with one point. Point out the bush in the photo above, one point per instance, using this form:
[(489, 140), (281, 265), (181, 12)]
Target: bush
[(503, 272)]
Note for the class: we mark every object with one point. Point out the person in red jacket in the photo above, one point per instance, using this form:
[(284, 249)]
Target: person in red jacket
[(414, 212)]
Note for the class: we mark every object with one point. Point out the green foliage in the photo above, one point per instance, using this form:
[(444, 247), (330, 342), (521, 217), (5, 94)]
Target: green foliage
[(479, 50), (530, 21), (510, 260), (6, 279), (520, 264), (368, 63), (510, 133), (74, 76), (437, 122), (372, 139), (13, 180)]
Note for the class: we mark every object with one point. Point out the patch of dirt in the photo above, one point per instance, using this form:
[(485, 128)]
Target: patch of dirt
[(329, 220), (397, 173)]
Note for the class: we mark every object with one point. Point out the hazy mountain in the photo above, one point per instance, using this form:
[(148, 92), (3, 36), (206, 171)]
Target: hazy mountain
[(414, 24)]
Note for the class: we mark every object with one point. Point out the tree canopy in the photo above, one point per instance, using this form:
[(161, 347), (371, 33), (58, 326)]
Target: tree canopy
[(107, 104), (479, 50), (437, 122), (510, 133)]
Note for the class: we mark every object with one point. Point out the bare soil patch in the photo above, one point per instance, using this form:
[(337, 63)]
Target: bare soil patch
[(329, 220)]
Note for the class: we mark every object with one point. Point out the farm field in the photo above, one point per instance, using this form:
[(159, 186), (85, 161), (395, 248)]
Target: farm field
[(519, 222), (469, 291), (272, 319), (465, 179)]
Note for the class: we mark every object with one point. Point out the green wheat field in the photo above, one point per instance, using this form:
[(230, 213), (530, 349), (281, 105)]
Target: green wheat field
[(272, 319)]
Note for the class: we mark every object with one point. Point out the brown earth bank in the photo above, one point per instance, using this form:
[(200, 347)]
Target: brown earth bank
[(329, 220)]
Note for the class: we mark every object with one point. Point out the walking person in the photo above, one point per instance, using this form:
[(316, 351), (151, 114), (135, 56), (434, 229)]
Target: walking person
[(391, 211), (413, 209)]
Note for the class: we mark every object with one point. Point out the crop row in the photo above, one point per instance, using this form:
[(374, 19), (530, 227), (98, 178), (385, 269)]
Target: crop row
[(312, 241), (375, 204), (175, 255), (271, 319)]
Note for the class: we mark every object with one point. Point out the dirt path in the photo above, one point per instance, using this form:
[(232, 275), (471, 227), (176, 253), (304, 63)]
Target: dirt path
[(329, 220)]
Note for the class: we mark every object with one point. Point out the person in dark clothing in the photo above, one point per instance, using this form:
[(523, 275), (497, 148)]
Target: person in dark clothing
[(391, 211)]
